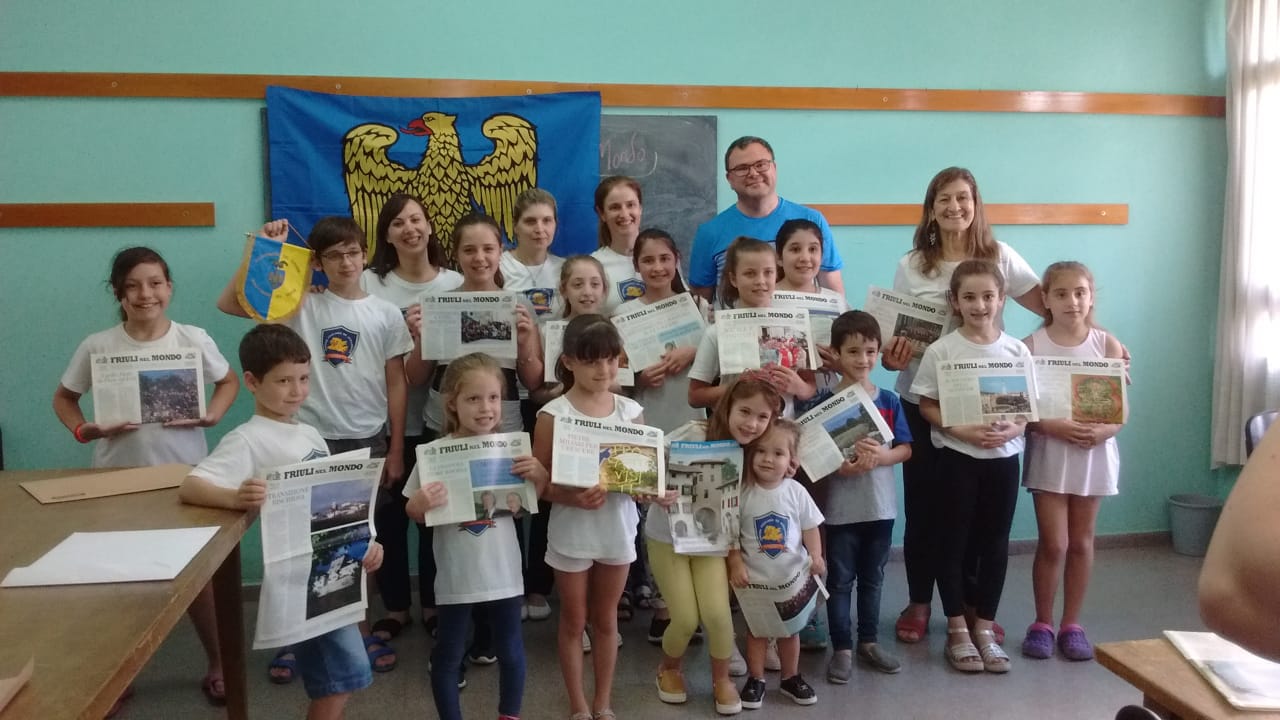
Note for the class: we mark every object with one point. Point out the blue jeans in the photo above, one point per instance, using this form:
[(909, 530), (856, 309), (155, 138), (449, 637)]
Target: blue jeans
[(856, 551), (451, 644)]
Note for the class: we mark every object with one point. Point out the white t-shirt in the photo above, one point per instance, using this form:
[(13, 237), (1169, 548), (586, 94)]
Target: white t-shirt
[(256, 446), (1019, 279), (608, 532), (622, 282), (152, 443), (350, 342), (538, 283), (772, 525), (512, 421), (954, 346), (475, 561), (404, 295), (706, 367), (824, 380)]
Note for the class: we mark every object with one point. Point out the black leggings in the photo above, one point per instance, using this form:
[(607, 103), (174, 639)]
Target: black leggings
[(392, 524), (919, 485), (975, 503), (538, 576)]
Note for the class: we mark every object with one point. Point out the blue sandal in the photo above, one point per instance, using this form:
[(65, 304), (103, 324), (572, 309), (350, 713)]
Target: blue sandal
[(287, 665), (376, 648)]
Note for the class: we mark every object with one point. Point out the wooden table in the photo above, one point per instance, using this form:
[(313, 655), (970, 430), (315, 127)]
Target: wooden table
[(89, 641), (1169, 684)]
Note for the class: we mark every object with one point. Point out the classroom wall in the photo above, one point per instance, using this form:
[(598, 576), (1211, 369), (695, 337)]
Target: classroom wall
[(1157, 275)]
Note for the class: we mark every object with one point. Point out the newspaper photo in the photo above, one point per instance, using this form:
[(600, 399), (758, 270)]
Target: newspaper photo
[(147, 386), (553, 346), (1087, 390), (460, 323), (777, 611), (622, 457), (921, 322), (651, 330), (316, 527), (823, 310), (707, 477), (476, 472), (977, 392), (754, 337), (1247, 681), (829, 431)]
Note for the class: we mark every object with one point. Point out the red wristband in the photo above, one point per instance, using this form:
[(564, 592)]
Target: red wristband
[(76, 432)]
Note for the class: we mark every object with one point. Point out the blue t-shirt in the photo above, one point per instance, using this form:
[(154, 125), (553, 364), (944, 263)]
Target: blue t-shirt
[(706, 260)]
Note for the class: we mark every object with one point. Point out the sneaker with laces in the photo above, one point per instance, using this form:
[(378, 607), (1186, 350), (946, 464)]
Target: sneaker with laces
[(771, 660), (671, 686), (840, 668), (657, 626), (727, 700), (876, 657), (737, 663), (752, 695), (800, 692)]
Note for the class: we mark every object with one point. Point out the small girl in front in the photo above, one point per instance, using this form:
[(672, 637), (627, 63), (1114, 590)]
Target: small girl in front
[(977, 472), (778, 535), (1069, 467), (478, 564), (591, 533)]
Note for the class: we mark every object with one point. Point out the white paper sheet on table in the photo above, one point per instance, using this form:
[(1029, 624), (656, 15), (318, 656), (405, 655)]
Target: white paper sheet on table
[(109, 557)]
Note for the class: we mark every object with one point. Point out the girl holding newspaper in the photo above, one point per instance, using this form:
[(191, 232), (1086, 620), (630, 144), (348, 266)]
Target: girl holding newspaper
[(977, 472), (479, 569)]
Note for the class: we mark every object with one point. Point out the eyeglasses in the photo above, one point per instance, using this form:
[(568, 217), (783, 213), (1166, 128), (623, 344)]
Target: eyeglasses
[(352, 255), (760, 166)]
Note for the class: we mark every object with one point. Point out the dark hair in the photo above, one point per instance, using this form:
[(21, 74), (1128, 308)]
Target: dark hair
[(469, 220), (268, 345), (788, 231), (124, 262), (587, 338), (743, 143), (970, 268), (728, 292), (980, 243), (854, 322), (385, 258), (677, 282), (747, 385), (602, 191), (335, 230)]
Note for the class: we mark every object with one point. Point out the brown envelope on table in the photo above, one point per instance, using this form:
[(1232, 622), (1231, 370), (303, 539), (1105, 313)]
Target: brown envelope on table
[(106, 484), (11, 685)]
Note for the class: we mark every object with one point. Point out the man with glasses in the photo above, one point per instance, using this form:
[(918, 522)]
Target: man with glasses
[(759, 212)]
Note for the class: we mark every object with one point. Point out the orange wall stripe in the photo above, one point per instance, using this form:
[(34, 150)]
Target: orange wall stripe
[(166, 85), (14, 215), (997, 214)]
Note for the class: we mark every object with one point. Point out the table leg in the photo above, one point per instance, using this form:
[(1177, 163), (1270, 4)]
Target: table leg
[(230, 613)]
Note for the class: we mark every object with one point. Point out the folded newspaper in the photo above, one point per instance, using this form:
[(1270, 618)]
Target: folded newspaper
[(316, 527), (460, 323), (707, 477), (751, 338), (476, 472), (978, 392), (552, 347), (1247, 681), (823, 310), (920, 321), (777, 611), (623, 457), (147, 386), (829, 431), (1086, 390), (649, 331)]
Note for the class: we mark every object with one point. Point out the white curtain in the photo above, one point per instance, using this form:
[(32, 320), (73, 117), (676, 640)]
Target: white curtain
[(1247, 360)]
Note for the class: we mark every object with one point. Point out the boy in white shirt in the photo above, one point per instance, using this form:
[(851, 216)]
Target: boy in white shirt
[(276, 364)]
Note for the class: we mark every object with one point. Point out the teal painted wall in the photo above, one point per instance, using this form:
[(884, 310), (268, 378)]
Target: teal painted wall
[(1157, 276)]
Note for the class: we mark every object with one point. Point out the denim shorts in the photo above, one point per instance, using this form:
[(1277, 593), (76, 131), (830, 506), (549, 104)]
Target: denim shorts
[(334, 663)]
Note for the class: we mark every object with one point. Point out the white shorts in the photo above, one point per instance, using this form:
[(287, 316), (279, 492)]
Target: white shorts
[(564, 563)]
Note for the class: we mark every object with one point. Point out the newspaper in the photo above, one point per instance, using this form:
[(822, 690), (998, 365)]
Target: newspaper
[(460, 323), (651, 330), (707, 477), (778, 611), (476, 472), (823, 310), (977, 392), (147, 386), (553, 346), (754, 337), (623, 457), (1247, 681), (829, 431), (316, 527), (920, 321), (1081, 389)]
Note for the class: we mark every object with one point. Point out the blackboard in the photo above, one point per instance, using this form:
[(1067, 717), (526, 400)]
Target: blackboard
[(674, 158)]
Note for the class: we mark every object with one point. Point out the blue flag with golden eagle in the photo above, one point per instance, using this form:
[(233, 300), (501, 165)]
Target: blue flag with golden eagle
[(346, 154)]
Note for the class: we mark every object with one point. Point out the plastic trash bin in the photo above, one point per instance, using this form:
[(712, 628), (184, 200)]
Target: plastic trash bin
[(1192, 518)]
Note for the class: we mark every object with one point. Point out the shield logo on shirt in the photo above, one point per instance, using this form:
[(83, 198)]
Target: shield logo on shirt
[(476, 527), (630, 289), (339, 344), (315, 454), (771, 533), (541, 299)]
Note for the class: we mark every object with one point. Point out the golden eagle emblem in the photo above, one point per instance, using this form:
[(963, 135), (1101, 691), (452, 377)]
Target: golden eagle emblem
[(447, 185)]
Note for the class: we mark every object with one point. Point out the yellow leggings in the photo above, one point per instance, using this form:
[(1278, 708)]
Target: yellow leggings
[(693, 588)]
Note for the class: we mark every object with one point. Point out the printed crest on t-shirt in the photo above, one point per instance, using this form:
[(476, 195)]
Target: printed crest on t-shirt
[(315, 454), (630, 289), (476, 527), (541, 299), (771, 533), (339, 344)]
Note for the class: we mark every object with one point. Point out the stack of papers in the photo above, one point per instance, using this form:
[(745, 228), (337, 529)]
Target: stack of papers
[(110, 557)]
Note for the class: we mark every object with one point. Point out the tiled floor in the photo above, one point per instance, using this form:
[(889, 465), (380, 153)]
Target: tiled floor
[(1136, 593)]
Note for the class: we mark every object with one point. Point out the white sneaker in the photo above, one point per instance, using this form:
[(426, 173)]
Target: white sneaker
[(619, 638), (737, 663), (586, 642), (771, 660), (524, 611), (538, 611)]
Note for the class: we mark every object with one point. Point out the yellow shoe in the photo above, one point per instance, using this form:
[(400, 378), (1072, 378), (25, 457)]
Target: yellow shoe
[(671, 686), (728, 702)]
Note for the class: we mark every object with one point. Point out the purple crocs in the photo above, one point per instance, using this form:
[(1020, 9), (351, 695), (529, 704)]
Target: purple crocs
[(1073, 644), (1038, 642)]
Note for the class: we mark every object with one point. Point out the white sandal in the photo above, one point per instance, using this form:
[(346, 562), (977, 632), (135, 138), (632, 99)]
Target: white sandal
[(994, 658), (963, 656)]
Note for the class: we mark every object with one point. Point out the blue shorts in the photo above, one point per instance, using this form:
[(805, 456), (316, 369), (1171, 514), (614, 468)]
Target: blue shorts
[(334, 663)]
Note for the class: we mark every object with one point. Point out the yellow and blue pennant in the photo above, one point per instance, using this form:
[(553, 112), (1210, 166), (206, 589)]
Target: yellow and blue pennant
[(273, 278)]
